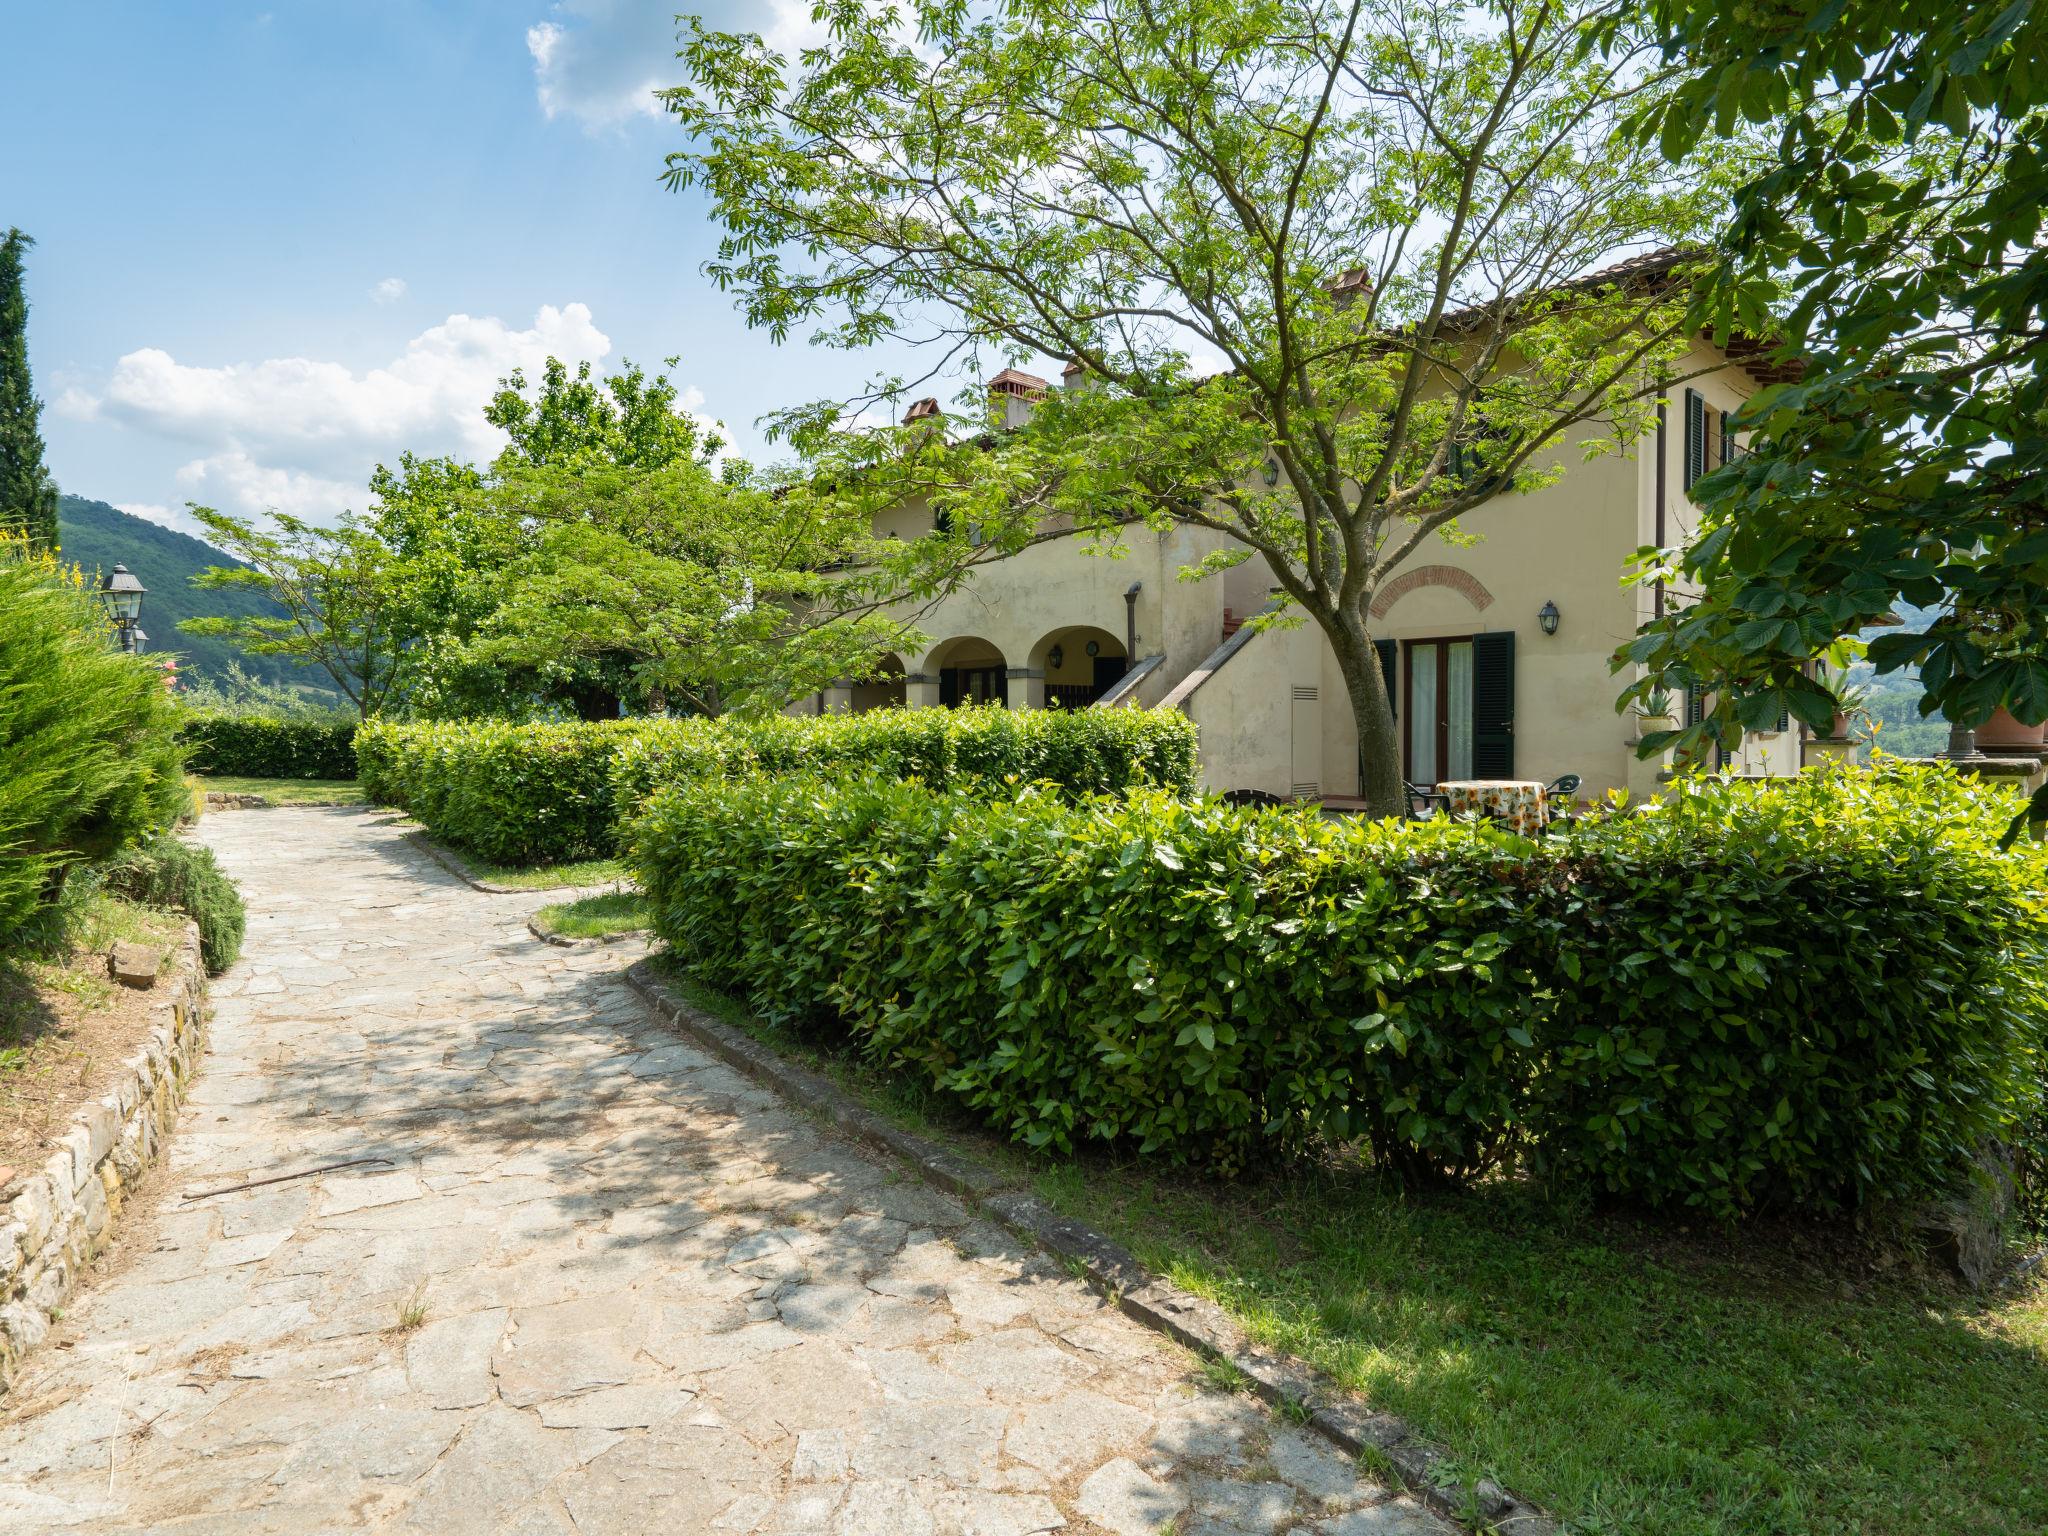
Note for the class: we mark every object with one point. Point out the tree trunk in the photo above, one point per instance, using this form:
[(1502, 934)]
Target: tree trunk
[(1379, 742)]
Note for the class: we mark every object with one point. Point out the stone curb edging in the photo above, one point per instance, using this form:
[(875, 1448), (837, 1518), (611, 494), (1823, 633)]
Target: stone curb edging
[(229, 800), (1281, 1380), (449, 860), (59, 1217), (562, 941), (453, 862)]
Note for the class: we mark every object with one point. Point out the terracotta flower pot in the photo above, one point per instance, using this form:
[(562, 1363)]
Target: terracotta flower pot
[(2002, 733), (1839, 731)]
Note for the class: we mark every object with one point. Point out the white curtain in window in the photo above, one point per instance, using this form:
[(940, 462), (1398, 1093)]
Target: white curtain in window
[(1458, 710), (1422, 714)]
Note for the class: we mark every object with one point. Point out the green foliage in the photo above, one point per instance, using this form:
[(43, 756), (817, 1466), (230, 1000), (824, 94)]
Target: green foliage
[(1812, 995), (549, 793), (270, 747), (28, 496), (1892, 243), (698, 593), (628, 422), (180, 876), (332, 601), (89, 758)]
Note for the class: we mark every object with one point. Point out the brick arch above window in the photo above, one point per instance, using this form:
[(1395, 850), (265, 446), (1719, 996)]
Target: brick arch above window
[(1462, 582)]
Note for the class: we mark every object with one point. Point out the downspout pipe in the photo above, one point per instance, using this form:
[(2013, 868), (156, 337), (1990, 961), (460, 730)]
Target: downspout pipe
[(1658, 590)]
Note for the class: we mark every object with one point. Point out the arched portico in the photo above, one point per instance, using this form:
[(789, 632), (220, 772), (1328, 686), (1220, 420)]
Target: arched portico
[(1079, 663), (967, 670)]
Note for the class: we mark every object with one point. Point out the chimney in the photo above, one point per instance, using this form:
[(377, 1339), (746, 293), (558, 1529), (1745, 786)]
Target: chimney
[(1011, 395), (1070, 376), (1352, 284), (926, 409)]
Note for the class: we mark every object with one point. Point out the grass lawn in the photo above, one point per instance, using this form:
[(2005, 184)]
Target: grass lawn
[(1631, 1377), (596, 917), (287, 791), (547, 877)]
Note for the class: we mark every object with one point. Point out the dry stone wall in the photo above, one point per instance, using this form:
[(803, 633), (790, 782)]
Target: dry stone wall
[(61, 1215)]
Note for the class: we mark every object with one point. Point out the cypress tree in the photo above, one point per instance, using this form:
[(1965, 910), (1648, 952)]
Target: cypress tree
[(28, 496)]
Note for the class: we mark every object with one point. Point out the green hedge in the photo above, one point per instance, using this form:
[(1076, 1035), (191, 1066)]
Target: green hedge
[(89, 756), (1799, 995), (270, 746), (523, 794)]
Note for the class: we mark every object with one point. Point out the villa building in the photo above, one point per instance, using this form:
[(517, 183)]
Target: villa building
[(1496, 651)]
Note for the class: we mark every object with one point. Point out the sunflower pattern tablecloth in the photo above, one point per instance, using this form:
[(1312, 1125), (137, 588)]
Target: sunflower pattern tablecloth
[(1518, 804)]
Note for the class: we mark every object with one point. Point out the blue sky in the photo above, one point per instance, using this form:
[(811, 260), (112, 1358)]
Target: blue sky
[(277, 243)]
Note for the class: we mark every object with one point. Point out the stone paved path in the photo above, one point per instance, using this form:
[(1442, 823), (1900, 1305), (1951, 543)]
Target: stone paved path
[(647, 1296)]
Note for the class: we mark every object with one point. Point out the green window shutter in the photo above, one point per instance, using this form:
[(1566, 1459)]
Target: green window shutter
[(1493, 705), (1388, 670), (1695, 436)]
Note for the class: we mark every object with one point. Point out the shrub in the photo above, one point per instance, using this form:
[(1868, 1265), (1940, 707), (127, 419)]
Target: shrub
[(513, 794), (550, 793), (1808, 994), (271, 746), (88, 740), (179, 876)]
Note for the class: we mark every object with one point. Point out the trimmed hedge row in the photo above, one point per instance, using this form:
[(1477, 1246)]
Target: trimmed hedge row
[(270, 746), (1800, 995), (529, 794), (514, 794)]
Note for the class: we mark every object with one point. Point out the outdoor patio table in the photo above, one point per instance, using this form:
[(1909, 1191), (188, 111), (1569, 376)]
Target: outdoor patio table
[(1519, 803)]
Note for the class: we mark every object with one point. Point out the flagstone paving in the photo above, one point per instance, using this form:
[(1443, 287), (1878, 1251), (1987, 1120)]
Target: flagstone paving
[(596, 1283)]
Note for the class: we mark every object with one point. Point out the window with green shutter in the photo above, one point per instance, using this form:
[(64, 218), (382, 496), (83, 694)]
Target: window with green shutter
[(1695, 436)]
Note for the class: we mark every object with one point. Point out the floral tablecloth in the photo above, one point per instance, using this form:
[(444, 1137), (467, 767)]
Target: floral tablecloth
[(1519, 804)]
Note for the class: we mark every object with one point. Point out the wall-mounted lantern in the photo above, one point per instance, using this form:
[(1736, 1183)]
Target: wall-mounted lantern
[(1056, 657), (1548, 616)]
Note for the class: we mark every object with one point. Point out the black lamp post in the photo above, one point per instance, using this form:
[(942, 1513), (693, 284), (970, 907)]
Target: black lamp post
[(123, 594)]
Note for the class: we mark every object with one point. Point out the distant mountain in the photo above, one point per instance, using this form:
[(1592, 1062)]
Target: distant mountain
[(99, 537)]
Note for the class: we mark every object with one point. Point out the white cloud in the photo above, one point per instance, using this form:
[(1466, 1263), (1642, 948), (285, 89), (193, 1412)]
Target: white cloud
[(389, 291), (301, 434), (235, 479), (601, 61), (78, 404)]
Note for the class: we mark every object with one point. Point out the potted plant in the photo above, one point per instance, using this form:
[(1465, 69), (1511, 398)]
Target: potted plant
[(1654, 714), (2001, 635), (1852, 700)]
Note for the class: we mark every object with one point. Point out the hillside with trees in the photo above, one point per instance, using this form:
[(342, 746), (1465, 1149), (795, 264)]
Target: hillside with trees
[(97, 537)]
